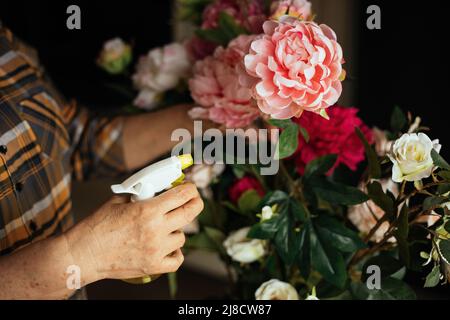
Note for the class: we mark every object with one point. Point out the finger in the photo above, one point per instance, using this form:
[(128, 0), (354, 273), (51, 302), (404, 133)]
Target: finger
[(119, 199), (175, 197), (172, 262), (176, 240), (182, 216)]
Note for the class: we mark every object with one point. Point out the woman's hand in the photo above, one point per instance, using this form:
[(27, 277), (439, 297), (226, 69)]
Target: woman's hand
[(126, 240)]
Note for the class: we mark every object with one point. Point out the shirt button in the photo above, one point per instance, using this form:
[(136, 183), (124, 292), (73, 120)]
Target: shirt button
[(19, 186), (3, 149), (33, 226)]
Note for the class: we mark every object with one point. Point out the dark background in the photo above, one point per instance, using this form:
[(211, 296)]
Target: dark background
[(402, 64)]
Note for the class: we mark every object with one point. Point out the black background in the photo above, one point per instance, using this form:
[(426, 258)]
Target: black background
[(403, 64)]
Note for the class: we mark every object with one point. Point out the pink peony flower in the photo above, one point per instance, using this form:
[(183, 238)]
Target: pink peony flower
[(242, 185), (215, 87), (334, 136), (300, 9), (295, 66)]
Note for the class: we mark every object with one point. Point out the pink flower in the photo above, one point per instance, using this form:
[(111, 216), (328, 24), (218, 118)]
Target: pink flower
[(215, 87), (300, 9), (334, 136), (242, 185), (295, 66)]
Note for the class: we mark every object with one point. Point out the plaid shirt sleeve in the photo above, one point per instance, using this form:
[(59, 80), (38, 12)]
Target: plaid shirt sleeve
[(44, 143), (96, 142)]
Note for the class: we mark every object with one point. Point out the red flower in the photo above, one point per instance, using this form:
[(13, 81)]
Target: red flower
[(334, 136), (242, 185)]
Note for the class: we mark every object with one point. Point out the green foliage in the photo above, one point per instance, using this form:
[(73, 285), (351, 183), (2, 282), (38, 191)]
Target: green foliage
[(432, 279), (386, 262), (401, 235), (380, 198), (391, 289), (372, 158), (439, 161), (337, 193), (398, 120), (248, 202), (288, 140), (227, 30)]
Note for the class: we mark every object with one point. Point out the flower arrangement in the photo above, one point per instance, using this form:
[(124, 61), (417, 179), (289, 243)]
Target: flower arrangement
[(348, 199)]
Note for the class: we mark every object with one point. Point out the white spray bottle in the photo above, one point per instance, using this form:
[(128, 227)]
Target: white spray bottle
[(146, 183)]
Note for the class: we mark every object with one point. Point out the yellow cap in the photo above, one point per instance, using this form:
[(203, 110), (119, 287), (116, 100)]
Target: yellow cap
[(186, 161), (179, 180)]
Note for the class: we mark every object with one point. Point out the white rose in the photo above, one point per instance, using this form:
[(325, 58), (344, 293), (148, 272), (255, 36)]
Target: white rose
[(276, 290), (115, 56), (411, 156), (242, 249), (311, 298), (162, 68), (267, 213)]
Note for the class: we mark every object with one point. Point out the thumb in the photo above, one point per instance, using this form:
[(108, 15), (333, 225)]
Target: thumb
[(119, 199)]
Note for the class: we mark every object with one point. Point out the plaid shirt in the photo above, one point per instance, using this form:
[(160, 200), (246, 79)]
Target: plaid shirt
[(44, 142)]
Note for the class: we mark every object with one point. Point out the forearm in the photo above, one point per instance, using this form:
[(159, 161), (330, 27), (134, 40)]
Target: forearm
[(39, 270), (148, 136)]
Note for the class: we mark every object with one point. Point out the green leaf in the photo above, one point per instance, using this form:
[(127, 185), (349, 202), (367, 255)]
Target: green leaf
[(381, 199), (287, 239), (212, 35), (248, 202), (372, 158), (283, 124), (288, 142), (229, 26), (275, 197), (264, 230), (304, 257), (444, 250), (387, 264), (338, 193), (320, 165), (327, 260), (432, 279), (304, 133), (215, 235), (173, 285), (339, 236), (432, 202), (447, 226), (299, 211), (229, 205), (398, 120), (391, 289), (439, 161), (443, 188), (401, 235), (200, 241), (444, 175)]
